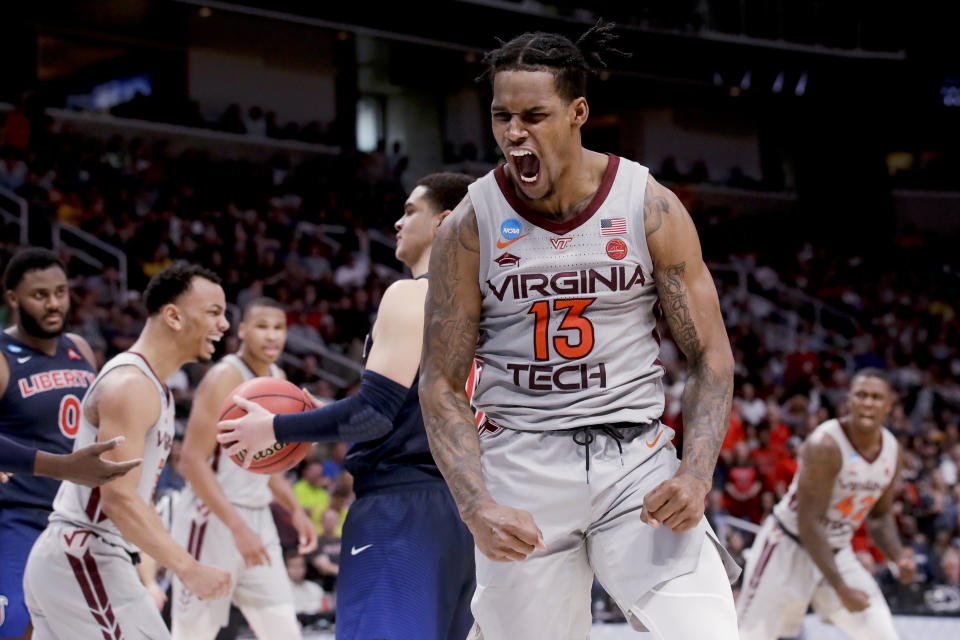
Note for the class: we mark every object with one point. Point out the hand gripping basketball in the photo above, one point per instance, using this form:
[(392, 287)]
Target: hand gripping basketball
[(246, 424)]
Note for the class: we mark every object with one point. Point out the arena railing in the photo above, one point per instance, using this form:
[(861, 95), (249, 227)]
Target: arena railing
[(15, 211), (73, 238)]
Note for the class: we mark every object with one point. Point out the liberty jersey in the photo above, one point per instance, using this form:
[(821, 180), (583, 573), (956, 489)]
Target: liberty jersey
[(240, 486), (40, 408), (80, 505), (567, 335), (855, 489)]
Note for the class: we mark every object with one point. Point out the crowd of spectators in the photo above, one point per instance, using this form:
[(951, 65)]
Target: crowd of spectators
[(801, 319)]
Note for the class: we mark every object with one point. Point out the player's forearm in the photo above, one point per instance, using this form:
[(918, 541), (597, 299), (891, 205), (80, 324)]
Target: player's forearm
[(706, 401), (883, 532), (204, 483), (455, 444), (814, 541), (139, 523), (283, 493)]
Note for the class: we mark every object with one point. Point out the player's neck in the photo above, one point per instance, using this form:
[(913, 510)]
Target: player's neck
[(574, 188), (156, 350), (259, 366), (866, 442), (44, 345), (419, 267)]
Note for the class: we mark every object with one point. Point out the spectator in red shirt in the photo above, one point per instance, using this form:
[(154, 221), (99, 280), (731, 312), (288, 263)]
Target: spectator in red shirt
[(743, 485)]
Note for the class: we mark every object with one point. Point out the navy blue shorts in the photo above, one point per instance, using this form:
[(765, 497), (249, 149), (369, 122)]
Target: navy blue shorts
[(19, 529), (406, 567)]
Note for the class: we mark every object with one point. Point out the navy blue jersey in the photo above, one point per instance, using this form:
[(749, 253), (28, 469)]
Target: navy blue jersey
[(402, 456), (41, 409)]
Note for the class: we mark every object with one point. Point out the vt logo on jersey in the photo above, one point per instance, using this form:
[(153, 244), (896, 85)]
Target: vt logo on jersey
[(560, 243), (510, 230)]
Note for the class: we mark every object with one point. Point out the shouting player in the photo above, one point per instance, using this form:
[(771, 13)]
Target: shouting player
[(81, 580), (550, 271)]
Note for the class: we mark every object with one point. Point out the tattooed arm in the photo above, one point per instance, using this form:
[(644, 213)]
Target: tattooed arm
[(451, 321), (689, 301)]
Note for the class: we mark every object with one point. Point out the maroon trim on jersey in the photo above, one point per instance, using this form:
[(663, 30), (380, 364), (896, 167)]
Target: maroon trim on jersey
[(93, 506), (91, 584), (751, 588), (166, 391), (195, 542), (534, 217), (215, 463)]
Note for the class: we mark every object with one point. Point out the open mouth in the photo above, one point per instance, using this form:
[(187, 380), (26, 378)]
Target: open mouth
[(526, 164)]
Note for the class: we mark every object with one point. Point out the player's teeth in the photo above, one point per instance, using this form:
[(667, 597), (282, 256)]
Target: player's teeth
[(526, 179)]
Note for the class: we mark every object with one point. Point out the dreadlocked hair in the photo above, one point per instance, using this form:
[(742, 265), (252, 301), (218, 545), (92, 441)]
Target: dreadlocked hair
[(569, 62)]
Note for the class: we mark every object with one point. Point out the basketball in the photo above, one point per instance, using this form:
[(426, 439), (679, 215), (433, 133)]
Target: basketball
[(276, 396)]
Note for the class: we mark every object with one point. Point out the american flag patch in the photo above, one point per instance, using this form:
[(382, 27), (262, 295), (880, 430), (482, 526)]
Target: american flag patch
[(613, 226)]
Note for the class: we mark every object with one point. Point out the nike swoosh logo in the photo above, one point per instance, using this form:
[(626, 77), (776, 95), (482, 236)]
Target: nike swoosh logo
[(652, 444), (503, 245), (354, 550), (22, 360)]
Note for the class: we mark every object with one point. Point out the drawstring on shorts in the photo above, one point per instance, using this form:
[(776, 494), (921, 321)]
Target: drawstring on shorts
[(584, 436)]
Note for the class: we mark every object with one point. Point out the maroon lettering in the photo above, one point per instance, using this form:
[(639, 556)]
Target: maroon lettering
[(540, 379), (533, 282), (568, 377), (565, 282)]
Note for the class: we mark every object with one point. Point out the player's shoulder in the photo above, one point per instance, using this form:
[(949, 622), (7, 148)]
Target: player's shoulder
[(85, 349), (821, 451), (220, 375), (403, 299), (126, 387)]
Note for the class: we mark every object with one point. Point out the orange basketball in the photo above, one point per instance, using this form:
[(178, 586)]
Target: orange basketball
[(276, 396)]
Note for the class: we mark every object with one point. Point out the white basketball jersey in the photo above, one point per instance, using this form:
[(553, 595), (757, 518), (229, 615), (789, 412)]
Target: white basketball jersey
[(857, 487), (568, 332), (241, 487), (80, 505)]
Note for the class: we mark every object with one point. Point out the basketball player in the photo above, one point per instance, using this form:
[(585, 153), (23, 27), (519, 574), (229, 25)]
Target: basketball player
[(406, 569), (81, 580), (43, 374), (802, 555), (223, 518), (556, 261)]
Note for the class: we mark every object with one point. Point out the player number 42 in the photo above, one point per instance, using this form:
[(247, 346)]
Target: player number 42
[(847, 505)]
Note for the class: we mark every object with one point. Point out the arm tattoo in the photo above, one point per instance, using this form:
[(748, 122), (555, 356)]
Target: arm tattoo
[(449, 342), (654, 208), (708, 392)]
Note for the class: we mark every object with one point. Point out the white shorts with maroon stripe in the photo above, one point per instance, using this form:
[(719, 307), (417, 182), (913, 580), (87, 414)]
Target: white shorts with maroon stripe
[(210, 542), (78, 586), (780, 581)]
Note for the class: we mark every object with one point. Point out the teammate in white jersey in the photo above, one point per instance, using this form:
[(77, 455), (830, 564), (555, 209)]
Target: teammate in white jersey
[(223, 518), (81, 580), (802, 555), (550, 271)]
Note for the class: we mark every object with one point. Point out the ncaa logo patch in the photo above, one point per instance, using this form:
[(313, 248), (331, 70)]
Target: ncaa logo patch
[(510, 228), (617, 249), (12, 348)]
